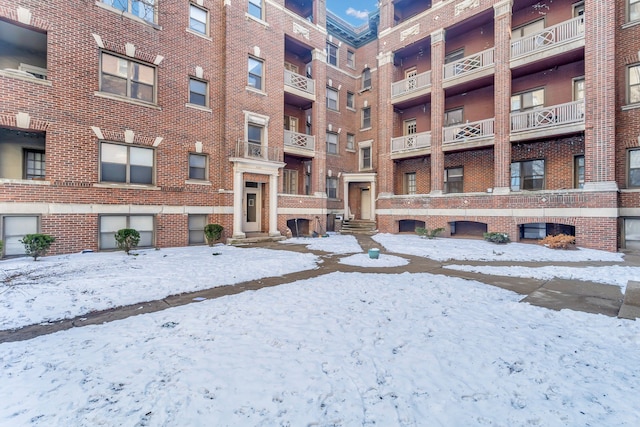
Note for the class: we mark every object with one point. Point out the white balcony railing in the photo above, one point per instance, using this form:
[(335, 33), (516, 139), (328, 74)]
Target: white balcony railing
[(250, 150), (299, 82), (299, 140), (469, 131), (411, 84), (549, 37), (555, 115), (469, 63), (411, 142)]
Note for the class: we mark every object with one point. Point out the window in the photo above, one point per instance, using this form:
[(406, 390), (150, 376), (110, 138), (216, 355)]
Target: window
[(453, 117), (632, 233), (365, 158), (527, 100), (23, 49), (198, 19), (196, 224), (454, 56), (128, 78), (410, 183), (527, 175), (290, 177), (351, 141), (332, 54), (633, 79), (411, 78), (366, 117), (578, 172), (198, 92), (110, 224), (410, 126), (34, 162), (634, 10), (143, 9), (332, 143), (14, 229), (351, 59), (634, 168), (366, 78), (332, 99), (126, 164), (290, 67), (291, 123), (254, 138), (527, 29), (256, 9), (351, 102), (197, 166), (453, 180), (255, 73), (578, 9), (578, 89), (332, 187)]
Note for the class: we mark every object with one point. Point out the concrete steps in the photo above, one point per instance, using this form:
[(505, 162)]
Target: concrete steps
[(358, 226)]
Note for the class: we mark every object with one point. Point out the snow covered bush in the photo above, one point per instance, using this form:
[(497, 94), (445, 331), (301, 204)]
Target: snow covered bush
[(127, 239), (559, 241), (212, 233), (429, 234), (36, 245), (496, 237)]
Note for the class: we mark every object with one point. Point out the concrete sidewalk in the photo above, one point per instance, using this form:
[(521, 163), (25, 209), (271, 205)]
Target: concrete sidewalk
[(555, 294)]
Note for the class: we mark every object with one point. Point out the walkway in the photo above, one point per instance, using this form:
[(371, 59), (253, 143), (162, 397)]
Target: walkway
[(555, 294)]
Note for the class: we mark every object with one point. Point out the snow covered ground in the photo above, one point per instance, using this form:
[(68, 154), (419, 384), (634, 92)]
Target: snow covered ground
[(342, 349)]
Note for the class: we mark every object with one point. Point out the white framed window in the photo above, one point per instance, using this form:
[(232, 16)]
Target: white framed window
[(14, 228), (256, 9), (633, 168), (453, 180), (453, 117), (332, 143), (578, 88), (527, 175), (351, 59), (410, 126), (332, 99), (290, 178), (633, 83), (351, 141), (332, 187), (256, 67), (578, 171), (198, 166), (291, 67), (143, 9), (291, 123), (198, 19), (633, 10), (128, 164), (198, 92), (410, 183), (366, 118), (454, 56), (351, 100), (411, 78), (365, 158), (196, 224), (366, 78), (255, 137), (527, 29), (110, 224), (527, 100), (578, 9), (127, 78), (332, 54)]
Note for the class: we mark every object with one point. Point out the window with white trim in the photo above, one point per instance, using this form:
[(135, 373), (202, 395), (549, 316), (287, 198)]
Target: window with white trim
[(453, 180), (255, 67), (366, 78), (198, 92), (633, 177), (527, 100), (332, 187), (351, 141), (332, 99), (527, 29), (196, 224), (110, 224), (410, 183), (366, 118), (332, 54), (256, 9), (14, 228), (633, 10), (578, 171), (527, 175), (351, 100), (332, 143), (633, 84), (198, 19), (453, 117), (351, 59), (290, 178), (128, 164), (198, 166), (127, 78), (143, 9), (365, 158)]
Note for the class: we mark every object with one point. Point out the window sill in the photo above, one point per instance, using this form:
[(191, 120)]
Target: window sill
[(332, 110), (258, 20), (630, 24), (365, 129), (196, 33), (630, 107), (24, 76), (126, 186), (198, 107), (350, 150), (351, 109), (127, 15), (24, 181), (127, 100), (197, 182), (365, 89), (256, 91)]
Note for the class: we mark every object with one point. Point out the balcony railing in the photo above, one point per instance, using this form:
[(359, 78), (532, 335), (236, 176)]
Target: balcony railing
[(549, 37), (411, 84), (469, 63), (250, 150), (555, 115), (469, 131), (411, 142), (299, 82), (299, 140)]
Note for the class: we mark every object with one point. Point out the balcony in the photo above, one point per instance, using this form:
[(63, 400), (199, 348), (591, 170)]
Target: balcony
[(468, 135), (413, 145), (299, 85), (542, 122), (250, 150), (411, 87), (554, 40), (299, 143), (469, 68)]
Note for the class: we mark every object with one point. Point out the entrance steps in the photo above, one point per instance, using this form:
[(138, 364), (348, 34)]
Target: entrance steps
[(252, 238), (358, 226)]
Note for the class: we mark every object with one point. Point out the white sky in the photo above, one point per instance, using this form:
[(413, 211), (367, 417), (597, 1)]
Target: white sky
[(341, 349)]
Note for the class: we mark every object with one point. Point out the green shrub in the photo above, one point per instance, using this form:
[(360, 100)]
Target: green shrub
[(212, 233), (36, 245), (429, 234), (496, 237), (127, 239), (560, 241), (1, 246)]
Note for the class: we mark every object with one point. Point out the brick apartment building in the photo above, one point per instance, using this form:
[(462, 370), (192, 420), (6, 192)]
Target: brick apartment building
[(265, 116)]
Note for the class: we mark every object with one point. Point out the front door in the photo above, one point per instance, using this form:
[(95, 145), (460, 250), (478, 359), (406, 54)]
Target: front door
[(251, 209), (365, 204)]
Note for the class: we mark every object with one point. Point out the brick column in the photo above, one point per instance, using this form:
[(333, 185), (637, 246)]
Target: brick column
[(319, 122), (600, 102), (502, 98), (385, 123), (386, 15), (437, 111)]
